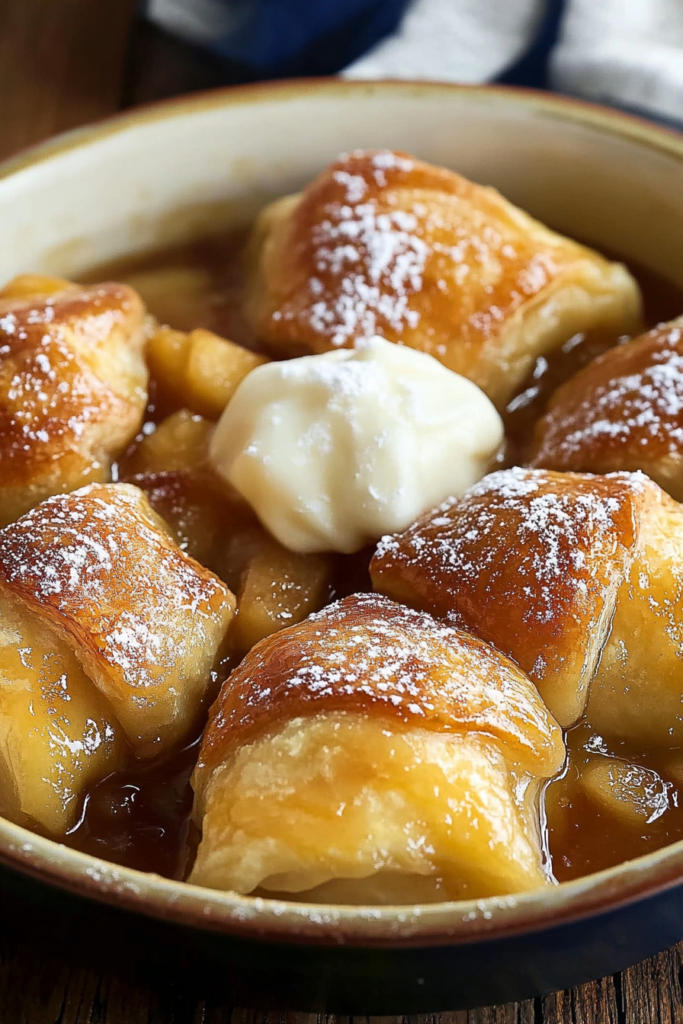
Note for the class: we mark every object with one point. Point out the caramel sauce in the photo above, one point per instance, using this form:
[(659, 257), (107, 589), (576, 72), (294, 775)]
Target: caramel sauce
[(662, 301), (140, 818), (204, 284), (584, 833)]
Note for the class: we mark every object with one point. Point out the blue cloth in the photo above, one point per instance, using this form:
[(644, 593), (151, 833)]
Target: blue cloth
[(280, 38), (291, 38), (532, 69)]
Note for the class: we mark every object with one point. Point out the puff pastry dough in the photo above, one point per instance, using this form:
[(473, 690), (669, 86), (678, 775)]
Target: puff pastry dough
[(373, 754), (623, 411), (637, 692), (58, 734), (145, 621), (383, 244), (73, 385), (578, 578)]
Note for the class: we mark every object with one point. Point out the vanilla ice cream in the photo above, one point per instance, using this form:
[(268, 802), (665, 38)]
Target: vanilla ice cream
[(332, 451)]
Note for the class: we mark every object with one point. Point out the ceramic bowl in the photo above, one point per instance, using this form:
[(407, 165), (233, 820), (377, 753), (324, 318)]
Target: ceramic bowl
[(160, 175)]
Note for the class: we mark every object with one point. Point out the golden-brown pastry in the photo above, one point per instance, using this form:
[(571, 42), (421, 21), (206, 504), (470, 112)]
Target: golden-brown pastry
[(578, 578), (637, 692), (529, 560), (58, 733), (383, 244), (145, 621), (73, 385), (623, 411), (373, 754)]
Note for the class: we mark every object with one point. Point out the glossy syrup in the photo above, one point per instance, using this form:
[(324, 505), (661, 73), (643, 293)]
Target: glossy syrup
[(662, 301), (584, 833), (141, 817)]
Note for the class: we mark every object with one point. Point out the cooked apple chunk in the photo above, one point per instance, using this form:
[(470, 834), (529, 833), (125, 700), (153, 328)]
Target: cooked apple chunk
[(199, 370), (634, 795), (277, 588), (179, 443)]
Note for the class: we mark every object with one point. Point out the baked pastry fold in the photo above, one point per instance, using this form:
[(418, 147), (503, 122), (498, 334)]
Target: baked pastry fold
[(58, 734), (373, 754), (73, 385), (578, 578), (384, 244), (529, 560), (110, 636), (637, 692), (625, 411), (622, 411)]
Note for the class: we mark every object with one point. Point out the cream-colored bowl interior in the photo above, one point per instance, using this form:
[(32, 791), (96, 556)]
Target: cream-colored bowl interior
[(164, 174)]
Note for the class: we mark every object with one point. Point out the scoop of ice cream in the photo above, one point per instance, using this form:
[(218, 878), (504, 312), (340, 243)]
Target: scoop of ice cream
[(332, 451)]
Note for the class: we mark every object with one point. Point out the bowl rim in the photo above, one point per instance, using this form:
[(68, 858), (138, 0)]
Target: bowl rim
[(449, 923), (611, 120)]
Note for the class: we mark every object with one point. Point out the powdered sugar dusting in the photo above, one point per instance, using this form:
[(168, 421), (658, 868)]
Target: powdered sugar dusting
[(520, 502), (379, 261), (381, 244), (372, 259), (640, 407), (555, 526), (527, 559), (98, 564), (366, 651), (53, 402)]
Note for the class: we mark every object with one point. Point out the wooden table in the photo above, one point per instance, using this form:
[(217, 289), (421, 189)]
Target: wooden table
[(64, 62)]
